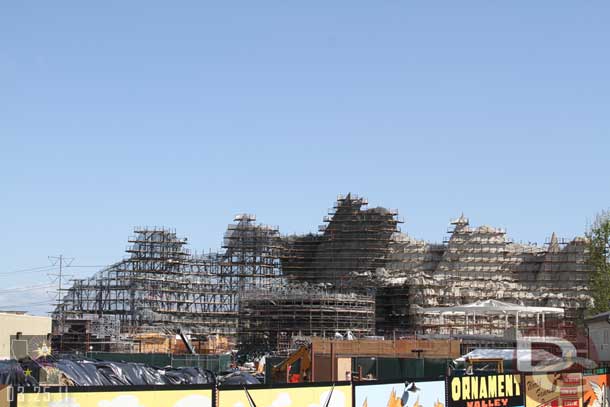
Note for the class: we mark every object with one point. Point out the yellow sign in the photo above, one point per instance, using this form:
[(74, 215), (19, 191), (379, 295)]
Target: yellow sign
[(500, 390), (143, 398), (339, 396)]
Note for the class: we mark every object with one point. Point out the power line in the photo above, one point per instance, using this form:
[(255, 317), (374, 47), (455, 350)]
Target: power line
[(12, 305), (83, 266), (27, 304), (26, 288), (18, 277), (29, 270)]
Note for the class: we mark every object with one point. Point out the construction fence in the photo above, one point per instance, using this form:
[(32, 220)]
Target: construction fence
[(497, 390), (214, 363), (397, 368)]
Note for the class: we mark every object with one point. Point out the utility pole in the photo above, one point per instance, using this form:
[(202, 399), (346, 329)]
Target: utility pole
[(62, 262)]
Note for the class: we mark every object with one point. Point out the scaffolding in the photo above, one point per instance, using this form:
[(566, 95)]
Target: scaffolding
[(475, 264), (161, 287), (252, 253), (267, 319), (354, 243), (358, 273)]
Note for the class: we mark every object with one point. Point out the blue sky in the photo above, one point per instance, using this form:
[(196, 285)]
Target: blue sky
[(117, 114)]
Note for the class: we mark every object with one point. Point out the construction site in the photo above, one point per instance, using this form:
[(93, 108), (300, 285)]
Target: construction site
[(360, 277)]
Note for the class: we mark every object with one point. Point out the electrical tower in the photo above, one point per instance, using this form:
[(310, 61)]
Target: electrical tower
[(62, 262)]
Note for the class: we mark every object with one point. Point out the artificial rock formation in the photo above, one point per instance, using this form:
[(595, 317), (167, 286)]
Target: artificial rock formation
[(359, 257)]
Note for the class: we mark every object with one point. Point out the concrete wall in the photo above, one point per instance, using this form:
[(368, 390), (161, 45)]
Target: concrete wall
[(10, 324)]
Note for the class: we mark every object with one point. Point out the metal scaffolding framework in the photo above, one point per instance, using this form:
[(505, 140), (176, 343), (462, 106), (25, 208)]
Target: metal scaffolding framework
[(268, 319), (161, 287), (358, 274), (354, 243)]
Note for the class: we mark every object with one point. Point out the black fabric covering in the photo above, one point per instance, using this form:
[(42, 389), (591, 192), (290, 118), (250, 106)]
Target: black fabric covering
[(102, 373), (239, 378), (189, 375)]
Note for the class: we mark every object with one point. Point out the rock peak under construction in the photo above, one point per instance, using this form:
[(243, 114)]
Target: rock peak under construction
[(360, 275)]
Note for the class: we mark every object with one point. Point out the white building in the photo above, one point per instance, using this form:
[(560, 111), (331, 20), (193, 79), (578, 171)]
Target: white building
[(21, 334)]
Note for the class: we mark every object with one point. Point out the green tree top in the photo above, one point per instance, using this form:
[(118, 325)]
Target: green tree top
[(599, 260)]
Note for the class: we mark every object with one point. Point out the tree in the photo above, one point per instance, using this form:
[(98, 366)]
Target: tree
[(599, 260)]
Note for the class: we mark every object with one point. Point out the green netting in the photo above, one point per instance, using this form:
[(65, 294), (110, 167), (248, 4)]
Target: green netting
[(215, 363)]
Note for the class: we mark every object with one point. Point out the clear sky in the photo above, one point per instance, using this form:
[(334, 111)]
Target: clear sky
[(116, 114)]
